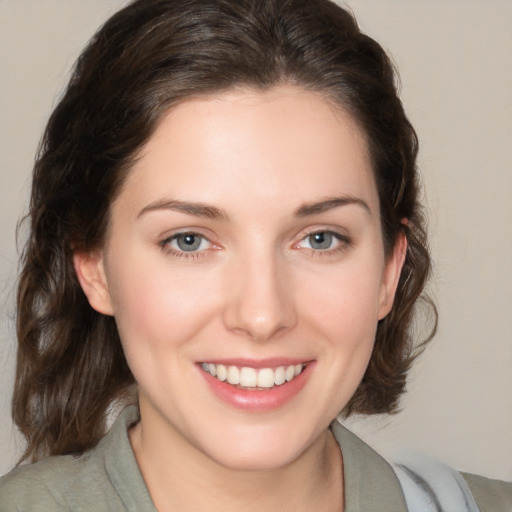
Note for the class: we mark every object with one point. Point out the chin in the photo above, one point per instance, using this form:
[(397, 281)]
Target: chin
[(261, 448), (244, 459)]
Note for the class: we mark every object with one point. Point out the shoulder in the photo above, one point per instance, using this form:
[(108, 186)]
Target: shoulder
[(419, 477), (490, 495), (56, 484), (46, 483), (371, 485), (104, 478)]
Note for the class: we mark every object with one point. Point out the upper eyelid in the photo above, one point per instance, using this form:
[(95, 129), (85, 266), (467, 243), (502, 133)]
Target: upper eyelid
[(343, 241), (166, 244), (166, 241), (339, 233), (187, 231), (340, 238)]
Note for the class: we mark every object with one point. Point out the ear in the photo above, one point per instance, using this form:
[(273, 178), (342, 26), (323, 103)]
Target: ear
[(90, 270), (391, 275)]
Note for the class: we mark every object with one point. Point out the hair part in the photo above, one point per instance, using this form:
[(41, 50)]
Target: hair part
[(148, 57)]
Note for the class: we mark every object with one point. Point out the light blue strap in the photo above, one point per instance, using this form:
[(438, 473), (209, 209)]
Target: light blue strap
[(430, 486)]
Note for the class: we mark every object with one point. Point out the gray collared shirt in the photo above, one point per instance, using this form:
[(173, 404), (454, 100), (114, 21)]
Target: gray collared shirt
[(107, 479)]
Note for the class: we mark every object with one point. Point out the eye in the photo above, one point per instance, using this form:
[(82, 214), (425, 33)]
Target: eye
[(323, 241), (182, 243)]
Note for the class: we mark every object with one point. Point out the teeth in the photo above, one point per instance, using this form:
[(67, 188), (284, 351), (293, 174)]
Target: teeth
[(280, 376), (248, 377), (233, 375), (222, 372), (266, 378)]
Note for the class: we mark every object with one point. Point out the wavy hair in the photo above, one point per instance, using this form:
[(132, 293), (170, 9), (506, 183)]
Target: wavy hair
[(146, 58)]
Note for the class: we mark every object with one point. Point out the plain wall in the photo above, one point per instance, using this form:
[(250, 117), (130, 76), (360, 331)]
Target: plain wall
[(455, 61)]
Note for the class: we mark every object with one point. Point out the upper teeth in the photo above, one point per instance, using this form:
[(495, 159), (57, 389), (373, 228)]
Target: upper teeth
[(248, 377)]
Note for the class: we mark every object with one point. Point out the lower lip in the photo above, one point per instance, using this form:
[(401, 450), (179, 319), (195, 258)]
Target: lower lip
[(258, 400)]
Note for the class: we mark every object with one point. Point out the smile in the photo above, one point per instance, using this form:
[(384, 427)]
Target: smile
[(246, 377)]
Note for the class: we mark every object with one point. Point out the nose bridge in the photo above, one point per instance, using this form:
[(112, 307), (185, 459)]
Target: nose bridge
[(260, 303)]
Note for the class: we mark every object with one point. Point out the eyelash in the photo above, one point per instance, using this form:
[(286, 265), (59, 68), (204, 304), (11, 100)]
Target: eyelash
[(343, 242), (165, 244)]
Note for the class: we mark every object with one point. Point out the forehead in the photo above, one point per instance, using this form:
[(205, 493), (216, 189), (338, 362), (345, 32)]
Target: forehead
[(283, 143)]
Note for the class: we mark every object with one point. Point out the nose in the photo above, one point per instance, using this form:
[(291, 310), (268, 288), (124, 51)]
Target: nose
[(260, 301)]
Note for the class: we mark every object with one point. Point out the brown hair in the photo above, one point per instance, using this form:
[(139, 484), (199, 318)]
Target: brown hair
[(146, 58)]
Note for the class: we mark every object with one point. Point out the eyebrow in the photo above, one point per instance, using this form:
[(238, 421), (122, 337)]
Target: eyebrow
[(328, 204), (196, 209), (214, 213)]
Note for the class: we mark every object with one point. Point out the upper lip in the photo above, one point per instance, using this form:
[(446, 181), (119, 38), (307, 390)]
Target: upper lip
[(273, 362)]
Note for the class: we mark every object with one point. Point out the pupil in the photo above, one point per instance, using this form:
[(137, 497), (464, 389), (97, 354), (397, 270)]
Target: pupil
[(321, 240)]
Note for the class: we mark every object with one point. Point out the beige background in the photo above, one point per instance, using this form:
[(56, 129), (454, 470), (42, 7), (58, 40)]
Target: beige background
[(455, 59)]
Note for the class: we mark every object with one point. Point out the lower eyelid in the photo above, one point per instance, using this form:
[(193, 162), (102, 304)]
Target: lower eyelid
[(343, 242), (169, 246)]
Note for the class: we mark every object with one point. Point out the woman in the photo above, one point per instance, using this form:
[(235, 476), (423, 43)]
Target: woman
[(224, 223)]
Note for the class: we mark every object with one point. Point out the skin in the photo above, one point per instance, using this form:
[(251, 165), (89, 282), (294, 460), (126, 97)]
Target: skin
[(257, 288)]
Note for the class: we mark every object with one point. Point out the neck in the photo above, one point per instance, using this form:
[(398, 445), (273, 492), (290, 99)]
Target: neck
[(181, 478)]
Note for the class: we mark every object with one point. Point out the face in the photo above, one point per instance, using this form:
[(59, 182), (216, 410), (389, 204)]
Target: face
[(244, 266)]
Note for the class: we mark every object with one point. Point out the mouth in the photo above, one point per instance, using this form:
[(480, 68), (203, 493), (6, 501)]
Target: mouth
[(254, 379), (256, 386)]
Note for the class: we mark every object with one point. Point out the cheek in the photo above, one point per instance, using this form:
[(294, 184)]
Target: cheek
[(342, 314), (157, 308), (345, 302)]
